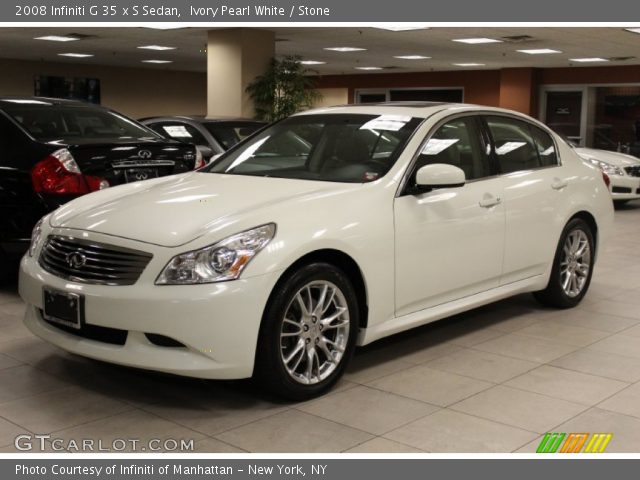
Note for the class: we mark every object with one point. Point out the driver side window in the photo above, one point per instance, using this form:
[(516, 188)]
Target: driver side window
[(458, 143)]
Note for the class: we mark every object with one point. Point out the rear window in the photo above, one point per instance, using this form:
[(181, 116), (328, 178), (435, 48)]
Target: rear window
[(227, 134), (48, 122)]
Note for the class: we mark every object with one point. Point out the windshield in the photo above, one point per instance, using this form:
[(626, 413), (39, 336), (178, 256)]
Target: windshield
[(334, 147), (56, 122), (227, 134)]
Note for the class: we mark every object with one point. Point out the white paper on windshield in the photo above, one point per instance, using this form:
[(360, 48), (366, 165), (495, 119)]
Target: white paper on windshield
[(509, 147), (392, 123), (176, 131), (436, 145)]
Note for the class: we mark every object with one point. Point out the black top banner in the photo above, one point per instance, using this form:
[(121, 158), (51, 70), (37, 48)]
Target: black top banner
[(313, 11)]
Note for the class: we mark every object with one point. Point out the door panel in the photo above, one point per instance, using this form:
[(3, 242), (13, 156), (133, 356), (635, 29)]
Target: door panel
[(533, 185), (449, 242)]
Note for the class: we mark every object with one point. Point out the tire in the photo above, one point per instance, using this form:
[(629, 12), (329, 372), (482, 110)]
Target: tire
[(563, 293), (288, 327), (620, 203)]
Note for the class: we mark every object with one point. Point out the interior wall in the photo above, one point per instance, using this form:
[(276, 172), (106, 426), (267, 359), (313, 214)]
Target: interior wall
[(136, 92), (332, 96), (480, 87)]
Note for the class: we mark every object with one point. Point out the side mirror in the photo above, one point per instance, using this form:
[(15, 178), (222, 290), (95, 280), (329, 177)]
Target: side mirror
[(439, 175), (206, 151)]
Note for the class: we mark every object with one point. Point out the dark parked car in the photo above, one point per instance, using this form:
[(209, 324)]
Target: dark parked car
[(53, 150), (212, 135)]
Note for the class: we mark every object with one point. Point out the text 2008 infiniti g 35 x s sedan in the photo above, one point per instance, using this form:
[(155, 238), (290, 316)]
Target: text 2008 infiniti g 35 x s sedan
[(330, 229)]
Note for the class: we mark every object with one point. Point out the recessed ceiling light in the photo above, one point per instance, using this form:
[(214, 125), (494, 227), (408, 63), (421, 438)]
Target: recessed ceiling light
[(345, 49), (57, 38), (476, 41), (368, 68), (157, 61), (469, 64), (411, 57), (633, 30), (590, 59), (76, 55), (539, 51), (311, 62), (403, 28), (156, 47)]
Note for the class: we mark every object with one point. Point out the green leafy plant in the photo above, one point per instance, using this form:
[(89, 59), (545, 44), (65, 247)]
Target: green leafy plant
[(284, 89)]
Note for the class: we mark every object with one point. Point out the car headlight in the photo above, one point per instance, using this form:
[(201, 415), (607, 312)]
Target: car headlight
[(607, 167), (222, 261), (36, 235)]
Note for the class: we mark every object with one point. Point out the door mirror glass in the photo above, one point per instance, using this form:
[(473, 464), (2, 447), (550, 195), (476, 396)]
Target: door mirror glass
[(439, 175)]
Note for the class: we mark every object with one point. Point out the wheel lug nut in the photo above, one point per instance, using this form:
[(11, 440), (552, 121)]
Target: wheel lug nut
[(317, 340), (314, 319), (306, 328), (308, 340)]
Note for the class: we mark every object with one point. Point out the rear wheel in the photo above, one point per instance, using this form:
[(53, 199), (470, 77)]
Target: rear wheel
[(620, 203), (572, 267), (308, 333)]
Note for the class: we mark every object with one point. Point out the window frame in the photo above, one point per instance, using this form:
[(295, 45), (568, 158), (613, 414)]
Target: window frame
[(530, 126), (405, 185)]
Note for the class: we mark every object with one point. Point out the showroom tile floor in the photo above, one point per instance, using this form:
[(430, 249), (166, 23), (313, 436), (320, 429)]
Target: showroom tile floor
[(491, 380)]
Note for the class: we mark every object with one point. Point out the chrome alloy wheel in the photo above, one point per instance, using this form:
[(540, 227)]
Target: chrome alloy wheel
[(576, 263), (314, 332)]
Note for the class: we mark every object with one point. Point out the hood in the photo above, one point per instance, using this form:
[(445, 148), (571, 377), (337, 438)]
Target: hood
[(614, 158), (175, 210)]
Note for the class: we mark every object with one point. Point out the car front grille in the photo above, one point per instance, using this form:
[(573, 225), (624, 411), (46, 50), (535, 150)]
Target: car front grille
[(634, 171), (85, 261)]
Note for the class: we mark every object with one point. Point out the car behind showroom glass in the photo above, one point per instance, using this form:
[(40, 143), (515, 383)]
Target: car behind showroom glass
[(350, 148)]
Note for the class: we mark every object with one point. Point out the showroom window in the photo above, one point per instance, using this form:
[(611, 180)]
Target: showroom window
[(457, 143), (513, 145)]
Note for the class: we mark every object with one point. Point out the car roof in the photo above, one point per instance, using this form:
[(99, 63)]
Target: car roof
[(201, 119), (10, 99), (413, 109)]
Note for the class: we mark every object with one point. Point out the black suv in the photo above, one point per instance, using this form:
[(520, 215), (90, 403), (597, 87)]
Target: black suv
[(53, 150)]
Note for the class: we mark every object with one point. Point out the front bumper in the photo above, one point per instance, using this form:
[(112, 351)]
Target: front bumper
[(625, 187), (217, 323)]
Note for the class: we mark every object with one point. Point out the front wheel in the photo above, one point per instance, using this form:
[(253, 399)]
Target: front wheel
[(572, 267), (308, 332)]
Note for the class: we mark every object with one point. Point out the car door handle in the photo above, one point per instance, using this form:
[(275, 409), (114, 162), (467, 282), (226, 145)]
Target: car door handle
[(559, 184), (489, 201)]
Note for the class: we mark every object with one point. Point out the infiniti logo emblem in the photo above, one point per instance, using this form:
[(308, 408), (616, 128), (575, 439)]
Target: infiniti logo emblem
[(76, 260), (146, 154), (141, 175)]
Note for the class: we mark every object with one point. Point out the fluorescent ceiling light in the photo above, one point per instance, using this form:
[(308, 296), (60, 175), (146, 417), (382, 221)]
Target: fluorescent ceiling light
[(539, 51), (345, 49), (411, 57), (368, 68), (468, 64), (57, 38), (76, 55), (311, 62), (587, 60), (476, 41), (156, 47), (402, 28), (633, 30), (157, 61)]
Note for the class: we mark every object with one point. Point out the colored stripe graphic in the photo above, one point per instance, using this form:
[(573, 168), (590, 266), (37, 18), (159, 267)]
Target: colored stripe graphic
[(574, 443), (598, 443), (550, 442)]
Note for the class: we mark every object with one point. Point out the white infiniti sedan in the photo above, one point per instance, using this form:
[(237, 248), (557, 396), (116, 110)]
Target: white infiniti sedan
[(330, 229), (622, 169)]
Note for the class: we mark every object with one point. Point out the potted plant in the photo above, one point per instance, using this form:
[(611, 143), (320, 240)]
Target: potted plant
[(284, 89)]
